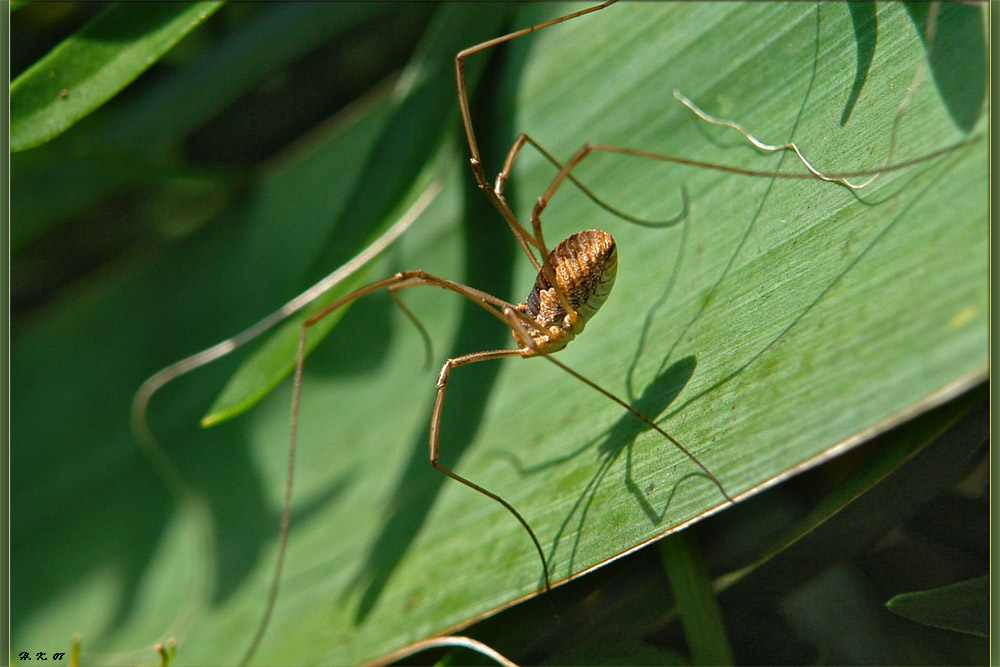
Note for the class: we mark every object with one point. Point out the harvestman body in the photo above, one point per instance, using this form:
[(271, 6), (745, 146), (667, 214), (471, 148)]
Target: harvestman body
[(585, 265)]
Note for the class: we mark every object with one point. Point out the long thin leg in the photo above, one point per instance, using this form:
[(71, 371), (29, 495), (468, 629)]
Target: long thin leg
[(424, 336), (519, 143), (523, 238), (399, 280), (649, 422), (838, 178), (589, 147), (531, 349), (435, 437), (463, 98)]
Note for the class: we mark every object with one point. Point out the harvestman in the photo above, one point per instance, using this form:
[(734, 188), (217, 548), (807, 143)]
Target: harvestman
[(573, 281)]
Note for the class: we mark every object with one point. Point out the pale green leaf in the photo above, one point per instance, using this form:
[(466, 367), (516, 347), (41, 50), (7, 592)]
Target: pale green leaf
[(704, 628)]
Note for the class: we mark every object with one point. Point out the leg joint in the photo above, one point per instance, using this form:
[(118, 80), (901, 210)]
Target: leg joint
[(443, 375)]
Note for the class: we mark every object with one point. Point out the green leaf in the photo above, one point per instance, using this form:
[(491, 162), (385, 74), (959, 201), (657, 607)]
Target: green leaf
[(699, 611), (86, 69), (963, 606), (780, 324)]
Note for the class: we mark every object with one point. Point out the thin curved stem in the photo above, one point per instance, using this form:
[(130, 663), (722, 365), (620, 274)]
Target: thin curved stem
[(459, 641)]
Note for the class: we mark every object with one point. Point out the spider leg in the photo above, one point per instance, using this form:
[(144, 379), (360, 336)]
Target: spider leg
[(442, 384), (428, 346), (402, 280), (524, 139), (524, 239)]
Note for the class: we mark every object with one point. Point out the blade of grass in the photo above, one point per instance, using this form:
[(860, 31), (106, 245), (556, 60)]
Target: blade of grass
[(88, 68), (691, 585), (963, 606), (137, 142)]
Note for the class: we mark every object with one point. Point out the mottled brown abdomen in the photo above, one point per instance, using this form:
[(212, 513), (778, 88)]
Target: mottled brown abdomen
[(585, 266)]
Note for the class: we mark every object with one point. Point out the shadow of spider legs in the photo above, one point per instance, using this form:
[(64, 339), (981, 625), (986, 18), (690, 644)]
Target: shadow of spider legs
[(657, 396)]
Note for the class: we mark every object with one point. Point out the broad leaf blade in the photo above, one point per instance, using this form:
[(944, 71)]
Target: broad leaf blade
[(794, 316)]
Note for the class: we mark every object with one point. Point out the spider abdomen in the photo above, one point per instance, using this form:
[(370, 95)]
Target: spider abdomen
[(585, 266)]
